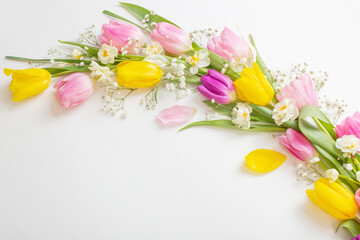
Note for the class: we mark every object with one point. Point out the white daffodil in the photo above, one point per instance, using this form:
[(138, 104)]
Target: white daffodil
[(102, 74), (358, 176), (241, 115), (348, 166), (199, 59), (107, 54), (77, 54), (348, 144), (158, 60), (153, 48), (332, 174), (284, 111)]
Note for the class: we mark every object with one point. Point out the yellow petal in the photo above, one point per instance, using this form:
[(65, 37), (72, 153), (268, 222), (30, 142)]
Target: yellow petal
[(264, 160)]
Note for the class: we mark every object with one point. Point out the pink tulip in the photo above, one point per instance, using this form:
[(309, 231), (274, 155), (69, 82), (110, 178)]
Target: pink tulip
[(301, 90), (176, 115), (357, 197), (230, 46), (173, 39), (298, 145), (350, 126), (120, 33), (74, 89)]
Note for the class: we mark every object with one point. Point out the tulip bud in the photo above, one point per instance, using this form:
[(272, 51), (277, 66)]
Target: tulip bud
[(298, 145), (333, 198), (74, 89), (218, 87), (121, 34), (253, 87), (28, 82), (173, 39), (138, 74)]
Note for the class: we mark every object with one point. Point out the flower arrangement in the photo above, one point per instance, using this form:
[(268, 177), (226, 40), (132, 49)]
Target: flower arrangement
[(228, 71)]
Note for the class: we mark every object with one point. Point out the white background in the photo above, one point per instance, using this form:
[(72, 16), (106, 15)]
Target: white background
[(83, 174)]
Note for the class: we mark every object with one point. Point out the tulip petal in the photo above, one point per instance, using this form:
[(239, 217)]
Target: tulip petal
[(176, 115), (264, 160)]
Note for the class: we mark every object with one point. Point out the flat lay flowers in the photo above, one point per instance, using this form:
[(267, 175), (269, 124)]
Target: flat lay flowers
[(225, 68)]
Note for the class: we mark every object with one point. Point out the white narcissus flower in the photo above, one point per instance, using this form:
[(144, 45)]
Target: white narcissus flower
[(153, 48), (332, 174), (241, 115), (107, 54), (158, 60), (199, 59), (76, 54), (348, 166), (102, 74), (348, 144), (284, 111)]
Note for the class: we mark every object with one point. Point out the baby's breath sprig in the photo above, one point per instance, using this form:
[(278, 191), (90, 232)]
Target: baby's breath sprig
[(89, 36), (115, 98), (202, 36)]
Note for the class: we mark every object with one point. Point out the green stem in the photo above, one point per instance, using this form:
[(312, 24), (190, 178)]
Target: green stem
[(124, 19), (348, 179)]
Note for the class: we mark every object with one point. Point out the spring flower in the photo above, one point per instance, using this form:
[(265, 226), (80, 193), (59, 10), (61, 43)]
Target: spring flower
[(299, 145), (107, 54), (241, 115), (138, 74), (122, 35), (158, 60), (332, 174), (302, 90), (284, 111), (232, 47), (173, 39), (101, 74), (348, 166), (350, 126), (153, 48), (264, 160), (356, 238), (74, 89), (253, 87), (348, 144), (199, 59), (333, 198), (28, 82), (76, 54), (176, 115), (218, 87), (357, 194)]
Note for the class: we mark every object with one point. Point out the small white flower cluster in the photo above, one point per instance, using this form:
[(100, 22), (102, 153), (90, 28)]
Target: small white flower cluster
[(175, 70), (202, 36), (135, 46), (146, 22), (89, 36), (212, 115), (241, 115), (308, 171), (114, 102), (153, 48), (101, 74), (107, 53), (149, 100), (198, 60), (333, 109), (283, 78), (332, 174)]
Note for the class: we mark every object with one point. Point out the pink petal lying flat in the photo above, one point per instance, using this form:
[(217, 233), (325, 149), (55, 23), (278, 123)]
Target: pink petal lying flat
[(176, 115)]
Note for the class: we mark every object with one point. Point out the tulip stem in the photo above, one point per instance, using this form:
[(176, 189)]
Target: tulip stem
[(348, 179)]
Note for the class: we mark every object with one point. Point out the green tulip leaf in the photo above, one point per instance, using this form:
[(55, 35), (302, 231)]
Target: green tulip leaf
[(140, 12), (228, 124), (92, 51), (124, 19), (65, 70), (225, 110), (352, 225)]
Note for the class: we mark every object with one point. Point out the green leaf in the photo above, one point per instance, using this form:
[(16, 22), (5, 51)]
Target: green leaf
[(47, 60), (92, 51), (228, 124), (140, 12), (352, 225), (124, 19), (225, 110), (65, 70)]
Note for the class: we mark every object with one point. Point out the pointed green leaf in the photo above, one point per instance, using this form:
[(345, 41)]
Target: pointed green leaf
[(352, 225)]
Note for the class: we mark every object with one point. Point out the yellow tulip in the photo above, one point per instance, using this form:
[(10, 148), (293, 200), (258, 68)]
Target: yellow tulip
[(253, 87), (335, 199), (138, 74), (28, 82)]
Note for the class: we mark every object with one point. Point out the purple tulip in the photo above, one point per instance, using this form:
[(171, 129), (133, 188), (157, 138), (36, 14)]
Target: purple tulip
[(218, 87), (356, 238)]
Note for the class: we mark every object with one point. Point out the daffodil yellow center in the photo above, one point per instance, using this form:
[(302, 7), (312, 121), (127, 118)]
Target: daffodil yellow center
[(194, 59), (283, 108), (105, 53)]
